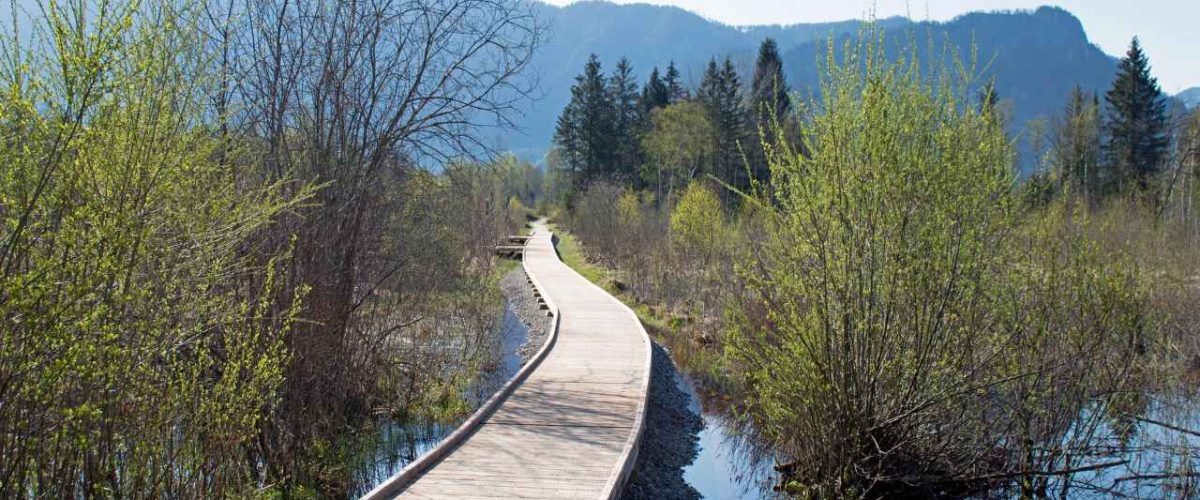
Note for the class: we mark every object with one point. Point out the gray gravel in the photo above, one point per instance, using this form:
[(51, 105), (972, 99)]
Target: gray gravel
[(521, 301), (671, 440)]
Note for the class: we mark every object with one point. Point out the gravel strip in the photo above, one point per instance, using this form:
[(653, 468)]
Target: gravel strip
[(521, 301), (671, 440)]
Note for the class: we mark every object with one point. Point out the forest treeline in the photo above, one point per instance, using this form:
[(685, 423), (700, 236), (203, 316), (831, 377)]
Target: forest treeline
[(662, 136), (225, 252), (861, 273)]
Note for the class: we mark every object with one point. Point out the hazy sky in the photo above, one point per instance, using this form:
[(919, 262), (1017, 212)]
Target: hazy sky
[(1169, 29)]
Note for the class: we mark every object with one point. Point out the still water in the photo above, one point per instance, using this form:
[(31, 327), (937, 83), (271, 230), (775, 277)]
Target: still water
[(725, 467), (400, 443)]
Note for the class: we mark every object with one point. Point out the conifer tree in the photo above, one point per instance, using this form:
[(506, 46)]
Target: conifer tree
[(709, 95), (720, 94), (770, 105), (769, 89), (627, 120), (733, 126), (585, 129), (568, 136), (674, 83), (1136, 124), (655, 94)]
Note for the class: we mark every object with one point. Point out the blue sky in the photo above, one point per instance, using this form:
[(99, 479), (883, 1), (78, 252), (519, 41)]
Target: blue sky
[(1169, 29)]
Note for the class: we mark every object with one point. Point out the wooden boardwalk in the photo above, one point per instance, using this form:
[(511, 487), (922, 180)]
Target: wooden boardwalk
[(571, 425)]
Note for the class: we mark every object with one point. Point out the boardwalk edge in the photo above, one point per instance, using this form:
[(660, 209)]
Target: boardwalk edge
[(396, 484)]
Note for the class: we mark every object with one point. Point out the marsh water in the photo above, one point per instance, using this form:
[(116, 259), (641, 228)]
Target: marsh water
[(400, 443), (725, 466)]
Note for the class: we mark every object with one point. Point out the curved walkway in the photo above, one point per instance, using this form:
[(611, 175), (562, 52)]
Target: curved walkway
[(571, 425)]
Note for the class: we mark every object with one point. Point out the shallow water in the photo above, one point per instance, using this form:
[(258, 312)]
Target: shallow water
[(400, 443), (725, 467), (1152, 451)]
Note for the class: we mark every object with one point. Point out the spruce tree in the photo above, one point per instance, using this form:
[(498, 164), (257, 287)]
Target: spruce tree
[(770, 105), (674, 84), (769, 89), (568, 136), (655, 94), (585, 128), (626, 120), (720, 94), (733, 126), (1137, 121), (709, 96)]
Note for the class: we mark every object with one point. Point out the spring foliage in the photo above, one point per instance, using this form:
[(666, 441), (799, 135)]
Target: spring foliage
[(906, 330), (140, 352)]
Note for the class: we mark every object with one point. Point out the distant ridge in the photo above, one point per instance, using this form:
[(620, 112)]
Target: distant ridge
[(1190, 97), (1036, 57)]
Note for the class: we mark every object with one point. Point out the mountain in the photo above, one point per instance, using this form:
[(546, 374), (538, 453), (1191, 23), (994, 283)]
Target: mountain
[(1190, 97), (1036, 57), (649, 36)]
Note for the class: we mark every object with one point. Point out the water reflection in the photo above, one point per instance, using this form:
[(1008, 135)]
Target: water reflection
[(1160, 450), (726, 466), (400, 443)]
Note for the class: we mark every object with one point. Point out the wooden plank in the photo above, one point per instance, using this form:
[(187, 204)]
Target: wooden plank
[(571, 428)]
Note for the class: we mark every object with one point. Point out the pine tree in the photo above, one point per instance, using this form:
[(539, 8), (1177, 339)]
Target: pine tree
[(627, 121), (674, 84), (770, 105), (1137, 121), (655, 94), (585, 128)]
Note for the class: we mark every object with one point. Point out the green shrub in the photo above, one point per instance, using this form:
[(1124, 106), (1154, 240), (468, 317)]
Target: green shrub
[(906, 332), (698, 222), (142, 345)]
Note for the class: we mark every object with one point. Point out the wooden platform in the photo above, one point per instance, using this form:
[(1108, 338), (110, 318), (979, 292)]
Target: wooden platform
[(571, 428)]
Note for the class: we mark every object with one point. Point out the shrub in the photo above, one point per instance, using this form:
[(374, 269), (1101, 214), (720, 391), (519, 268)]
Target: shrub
[(698, 222), (143, 341), (906, 332)]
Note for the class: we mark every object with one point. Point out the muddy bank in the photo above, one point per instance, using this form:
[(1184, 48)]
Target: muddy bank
[(671, 440), (522, 303)]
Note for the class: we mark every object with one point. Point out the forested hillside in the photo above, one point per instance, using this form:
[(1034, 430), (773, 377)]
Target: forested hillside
[(1036, 57)]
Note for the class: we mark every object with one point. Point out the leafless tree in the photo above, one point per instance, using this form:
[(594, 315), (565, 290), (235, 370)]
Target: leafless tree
[(355, 96)]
